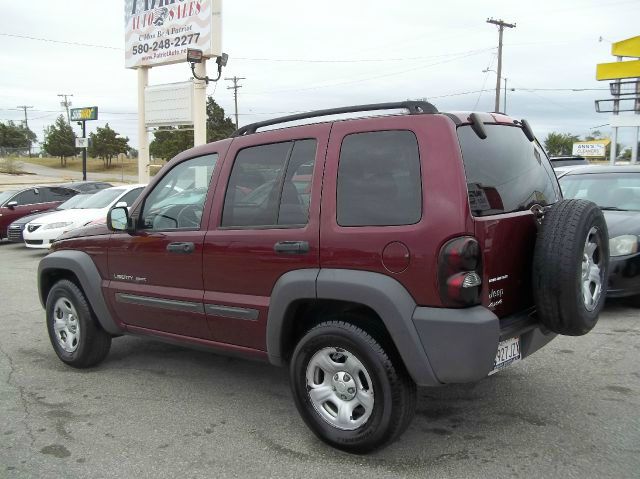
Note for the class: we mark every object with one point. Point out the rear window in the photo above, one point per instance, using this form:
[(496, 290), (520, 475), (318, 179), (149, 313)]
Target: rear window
[(505, 172)]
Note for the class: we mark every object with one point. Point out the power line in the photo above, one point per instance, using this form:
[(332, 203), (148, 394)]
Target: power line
[(235, 87), (66, 103), (501, 26), (49, 40)]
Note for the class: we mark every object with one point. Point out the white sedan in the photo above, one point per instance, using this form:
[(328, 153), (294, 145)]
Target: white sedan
[(41, 232)]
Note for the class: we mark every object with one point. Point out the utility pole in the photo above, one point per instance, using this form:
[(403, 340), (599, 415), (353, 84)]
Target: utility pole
[(66, 103), (26, 121), (501, 26), (235, 87)]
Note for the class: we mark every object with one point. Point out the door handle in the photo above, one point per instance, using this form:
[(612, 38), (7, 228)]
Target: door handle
[(291, 247), (34, 211), (181, 248)]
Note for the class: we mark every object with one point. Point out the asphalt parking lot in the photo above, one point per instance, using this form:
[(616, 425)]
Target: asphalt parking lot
[(157, 410)]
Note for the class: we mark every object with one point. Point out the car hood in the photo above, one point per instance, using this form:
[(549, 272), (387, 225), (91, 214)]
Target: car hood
[(27, 219), (76, 216), (622, 223), (84, 231)]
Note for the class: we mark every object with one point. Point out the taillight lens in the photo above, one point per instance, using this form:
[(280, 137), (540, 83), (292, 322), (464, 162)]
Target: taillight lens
[(460, 272)]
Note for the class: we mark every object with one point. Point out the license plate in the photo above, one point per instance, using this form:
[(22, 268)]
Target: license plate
[(508, 353)]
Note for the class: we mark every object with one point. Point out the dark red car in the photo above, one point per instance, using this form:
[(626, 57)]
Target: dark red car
[(369, 255), (16, 203)]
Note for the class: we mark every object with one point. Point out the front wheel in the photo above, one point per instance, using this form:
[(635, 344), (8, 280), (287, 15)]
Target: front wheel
[(75, 335), (348, 390)]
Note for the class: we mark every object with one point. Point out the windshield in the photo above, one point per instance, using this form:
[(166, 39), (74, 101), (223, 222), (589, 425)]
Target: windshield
[(73, 202), (102, 199), (5, 195), (619, 191), (505, 172)]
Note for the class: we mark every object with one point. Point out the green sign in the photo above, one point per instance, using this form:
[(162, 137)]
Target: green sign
[(84, 114)]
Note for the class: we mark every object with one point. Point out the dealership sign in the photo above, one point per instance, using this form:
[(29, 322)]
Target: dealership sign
[(591, 148), (158, 32)]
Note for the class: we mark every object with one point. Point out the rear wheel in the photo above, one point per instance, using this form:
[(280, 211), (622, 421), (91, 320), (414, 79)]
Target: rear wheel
[(571, 267), (75, 335), (347, 388)]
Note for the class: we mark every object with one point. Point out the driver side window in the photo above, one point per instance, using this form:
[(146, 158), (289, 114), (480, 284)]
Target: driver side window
[(177, 201)]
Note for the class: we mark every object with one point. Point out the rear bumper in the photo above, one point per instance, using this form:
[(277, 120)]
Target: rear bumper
[(461, 344)]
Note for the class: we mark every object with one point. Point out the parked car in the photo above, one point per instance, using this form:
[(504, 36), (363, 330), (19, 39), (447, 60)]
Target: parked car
[(616, 189), (14, 232), (432, 249), (41, 232), (16, 203), (559, 161), (87, 186)]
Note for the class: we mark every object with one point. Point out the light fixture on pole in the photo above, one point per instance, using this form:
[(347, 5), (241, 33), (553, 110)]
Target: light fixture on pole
[(505, 86), (195, 56)]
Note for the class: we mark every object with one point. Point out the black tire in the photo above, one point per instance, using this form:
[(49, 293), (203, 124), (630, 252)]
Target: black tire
[(558, 266), (634, 301), (394, 392), (92, 344)]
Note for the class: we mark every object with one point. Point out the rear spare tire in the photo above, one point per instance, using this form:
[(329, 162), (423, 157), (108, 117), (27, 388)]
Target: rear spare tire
[(570, 267)]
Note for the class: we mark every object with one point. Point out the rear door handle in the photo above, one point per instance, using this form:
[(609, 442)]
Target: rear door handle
[(291, 247), (181, 248)]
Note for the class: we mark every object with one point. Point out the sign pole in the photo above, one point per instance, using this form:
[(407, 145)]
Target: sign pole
[(200, 105), (143, 137), (84, 152)]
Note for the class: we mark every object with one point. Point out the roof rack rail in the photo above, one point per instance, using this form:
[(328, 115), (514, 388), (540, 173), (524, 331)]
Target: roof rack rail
[(414, 107)]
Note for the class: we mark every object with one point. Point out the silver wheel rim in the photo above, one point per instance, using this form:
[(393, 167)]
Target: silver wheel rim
[(592, 270), (340, 388), (66, 326)]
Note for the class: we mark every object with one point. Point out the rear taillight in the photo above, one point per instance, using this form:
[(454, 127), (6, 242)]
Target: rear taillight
[(460, 272)]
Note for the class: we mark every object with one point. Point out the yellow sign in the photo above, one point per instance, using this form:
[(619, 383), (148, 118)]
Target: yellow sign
[(627, 48), (618, 70)]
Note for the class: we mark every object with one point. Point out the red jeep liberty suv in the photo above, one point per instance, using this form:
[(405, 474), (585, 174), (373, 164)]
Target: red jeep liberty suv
[(369, 255)]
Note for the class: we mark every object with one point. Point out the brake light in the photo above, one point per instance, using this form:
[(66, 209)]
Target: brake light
[(460, 273)]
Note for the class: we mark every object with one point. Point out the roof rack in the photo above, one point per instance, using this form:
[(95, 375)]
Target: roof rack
[(414, 107)]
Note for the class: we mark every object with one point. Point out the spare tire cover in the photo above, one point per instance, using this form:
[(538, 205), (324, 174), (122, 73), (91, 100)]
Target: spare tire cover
[(570, 267)]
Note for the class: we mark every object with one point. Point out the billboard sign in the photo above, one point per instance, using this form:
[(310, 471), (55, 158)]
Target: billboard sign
[(84, 114), (590, 149), (158, 32)]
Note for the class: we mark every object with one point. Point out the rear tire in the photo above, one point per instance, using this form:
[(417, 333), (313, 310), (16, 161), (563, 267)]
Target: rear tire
[(570, 267), (347, 388), (75, 335)]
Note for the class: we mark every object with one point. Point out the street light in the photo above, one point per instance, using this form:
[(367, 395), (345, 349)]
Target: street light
[(505, 86)]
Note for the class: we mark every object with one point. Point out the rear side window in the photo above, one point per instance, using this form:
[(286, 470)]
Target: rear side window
[(57, 193), (379, 181), (505, 172), (270, 185)]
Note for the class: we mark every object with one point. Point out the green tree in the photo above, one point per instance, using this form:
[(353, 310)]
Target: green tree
[(16, 136), (557, 144), (106, 144), (169, 141), (60, 140)]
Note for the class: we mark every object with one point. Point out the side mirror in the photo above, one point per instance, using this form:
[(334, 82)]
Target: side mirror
[(12, 204), (121, 204), (118, 219)]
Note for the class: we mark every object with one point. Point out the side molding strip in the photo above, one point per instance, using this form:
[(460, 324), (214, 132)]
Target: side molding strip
[(171, 304), (230, 312)]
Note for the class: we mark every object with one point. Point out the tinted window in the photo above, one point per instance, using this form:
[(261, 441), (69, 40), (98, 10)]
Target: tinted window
[(58, 194), (177, 201), (505, 172), (130, 197), (379, 181), (29, 197), (270, 185)]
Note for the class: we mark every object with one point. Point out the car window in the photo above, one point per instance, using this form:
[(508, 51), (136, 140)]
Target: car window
[(177, 200), (56, 193), (379, 181), (5, 196), (607, 190), (131, 196), (29, 197), (505, 171), (270, 185), (74, 202), (102, 199)]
